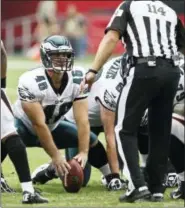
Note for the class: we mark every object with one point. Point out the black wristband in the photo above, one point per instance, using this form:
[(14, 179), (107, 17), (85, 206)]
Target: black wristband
[(3, 82), (93, 71)]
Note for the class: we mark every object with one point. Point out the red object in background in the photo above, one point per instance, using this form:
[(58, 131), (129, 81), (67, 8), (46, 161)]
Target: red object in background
[(97, 14), (17, 8), (182, 18)]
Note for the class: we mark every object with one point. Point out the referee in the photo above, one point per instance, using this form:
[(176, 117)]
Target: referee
[(153, 35)]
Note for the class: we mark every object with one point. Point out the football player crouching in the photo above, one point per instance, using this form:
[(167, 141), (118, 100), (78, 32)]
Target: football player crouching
[(45, 94), (101, 112)]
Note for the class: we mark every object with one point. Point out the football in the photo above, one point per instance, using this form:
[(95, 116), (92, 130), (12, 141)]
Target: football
[(73, 181)]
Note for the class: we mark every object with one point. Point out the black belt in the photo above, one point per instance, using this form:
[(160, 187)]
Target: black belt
[(150, 59)]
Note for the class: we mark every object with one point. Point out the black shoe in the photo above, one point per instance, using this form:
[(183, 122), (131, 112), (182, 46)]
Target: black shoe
[(35, 198), (180, 192), (156, 197), (43, 174), (137, 194), (5, 188)]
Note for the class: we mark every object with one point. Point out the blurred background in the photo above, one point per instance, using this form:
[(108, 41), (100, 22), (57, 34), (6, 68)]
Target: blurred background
[(26, 23)]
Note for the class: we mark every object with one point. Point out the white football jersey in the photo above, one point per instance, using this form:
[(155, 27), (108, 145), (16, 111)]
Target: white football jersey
[(177, 129), (105, 90), (36, 86), (180, 95), (7, 118)]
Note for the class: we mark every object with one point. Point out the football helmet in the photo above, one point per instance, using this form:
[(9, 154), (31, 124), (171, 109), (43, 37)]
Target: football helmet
[(57, 54)]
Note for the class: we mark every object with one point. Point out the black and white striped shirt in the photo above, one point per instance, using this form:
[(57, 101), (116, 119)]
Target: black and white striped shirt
[(148, 28)]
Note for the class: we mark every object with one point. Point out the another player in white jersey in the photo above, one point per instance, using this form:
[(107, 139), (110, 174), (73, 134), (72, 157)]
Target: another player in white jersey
[(12, 145), (45, 95)]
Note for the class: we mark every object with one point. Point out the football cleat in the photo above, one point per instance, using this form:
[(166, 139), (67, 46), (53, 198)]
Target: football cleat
[(136, 194), (156, 197), (5, 188), (43, 174), (179, 193), (33, 198)]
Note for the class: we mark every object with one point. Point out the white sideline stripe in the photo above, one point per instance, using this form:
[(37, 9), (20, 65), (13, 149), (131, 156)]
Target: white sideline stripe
[(118, 127)]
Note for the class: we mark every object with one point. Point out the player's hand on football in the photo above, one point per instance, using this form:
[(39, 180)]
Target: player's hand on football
[(81, 157), (61, 166)]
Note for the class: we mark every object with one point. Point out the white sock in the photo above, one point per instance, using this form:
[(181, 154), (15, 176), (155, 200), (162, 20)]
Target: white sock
[(181, 176), (143, 159), (105, 170), (27, 186)]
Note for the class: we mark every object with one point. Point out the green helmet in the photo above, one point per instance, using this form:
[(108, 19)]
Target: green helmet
[(57, 54)]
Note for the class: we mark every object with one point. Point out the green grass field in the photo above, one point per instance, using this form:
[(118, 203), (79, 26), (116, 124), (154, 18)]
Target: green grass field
[(94, 195)]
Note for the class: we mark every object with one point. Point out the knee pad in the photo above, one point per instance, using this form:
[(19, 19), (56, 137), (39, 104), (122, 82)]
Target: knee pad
[(13, 143)]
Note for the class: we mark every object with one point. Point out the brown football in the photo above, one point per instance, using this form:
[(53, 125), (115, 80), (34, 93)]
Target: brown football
[(73, 181)]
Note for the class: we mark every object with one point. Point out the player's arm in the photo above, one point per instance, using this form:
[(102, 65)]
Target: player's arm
[(3, 66), (80, 109), (113, 33), (36, 115), (108, 118)]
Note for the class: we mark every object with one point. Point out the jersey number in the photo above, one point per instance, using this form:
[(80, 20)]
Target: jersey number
[(54, 112), (154, 10), (77, 76), (181, 96), (42, 85)]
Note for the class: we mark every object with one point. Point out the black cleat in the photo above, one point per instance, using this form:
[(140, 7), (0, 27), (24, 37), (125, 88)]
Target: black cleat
[(156, 197), (179, 193), (43, 174), (137, 194), (5, 188), (35, 198)]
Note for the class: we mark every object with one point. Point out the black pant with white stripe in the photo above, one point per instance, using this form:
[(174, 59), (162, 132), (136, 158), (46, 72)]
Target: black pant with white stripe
[(153, 88)]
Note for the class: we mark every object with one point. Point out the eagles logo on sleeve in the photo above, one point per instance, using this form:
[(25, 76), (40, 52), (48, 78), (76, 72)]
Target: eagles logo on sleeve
[(109, 99), (25, 94)]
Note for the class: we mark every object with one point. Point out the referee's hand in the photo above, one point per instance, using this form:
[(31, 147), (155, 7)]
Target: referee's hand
[(89, 78)]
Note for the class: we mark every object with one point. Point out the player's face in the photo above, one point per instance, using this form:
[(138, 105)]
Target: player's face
[(61, 61)]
